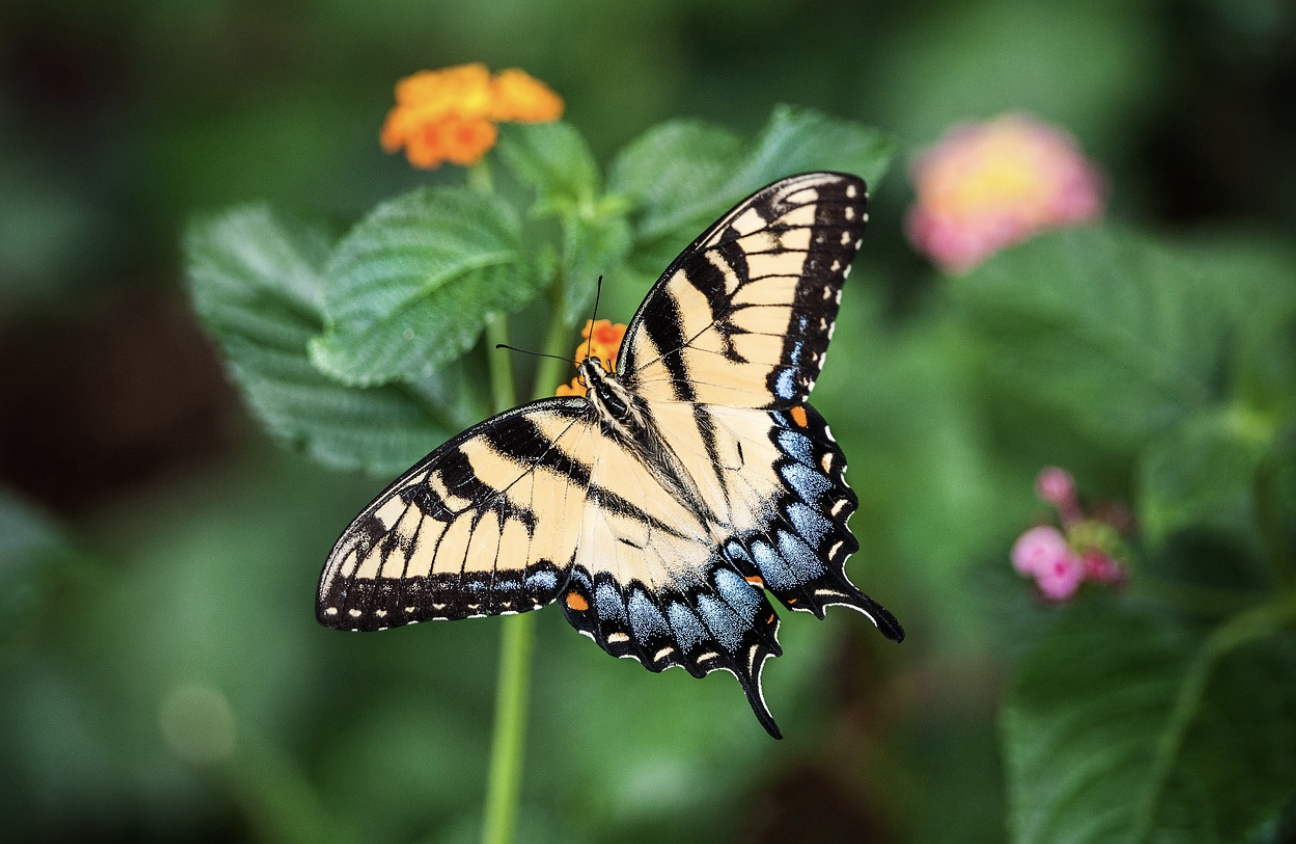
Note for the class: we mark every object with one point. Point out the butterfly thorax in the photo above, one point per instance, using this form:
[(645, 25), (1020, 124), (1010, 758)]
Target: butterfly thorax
[(625, 418), (616, 406)]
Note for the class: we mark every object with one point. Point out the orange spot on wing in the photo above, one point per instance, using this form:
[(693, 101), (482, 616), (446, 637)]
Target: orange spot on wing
[(755, 580), (792, 600), (577, 602), (798, 415)]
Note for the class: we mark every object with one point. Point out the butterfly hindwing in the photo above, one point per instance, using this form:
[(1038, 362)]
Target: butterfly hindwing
[(480, 526), (651, 583), (744, 315)]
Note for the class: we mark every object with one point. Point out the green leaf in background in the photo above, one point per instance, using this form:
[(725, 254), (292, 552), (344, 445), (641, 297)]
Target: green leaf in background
[(257, 284), (1203, 474), (33, 551), (410, 288), (594, 246), (1116, 332), (1255, 277), (1123, 727), (673, 165), (685, 174), (554, 159)]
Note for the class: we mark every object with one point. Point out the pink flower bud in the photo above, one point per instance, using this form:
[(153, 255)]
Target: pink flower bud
[(1060, 580), (1038, 549), (1056, 486), (1101, 568)]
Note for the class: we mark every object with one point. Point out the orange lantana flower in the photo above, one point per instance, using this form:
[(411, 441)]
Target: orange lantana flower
[(603, 341), (451, 114)]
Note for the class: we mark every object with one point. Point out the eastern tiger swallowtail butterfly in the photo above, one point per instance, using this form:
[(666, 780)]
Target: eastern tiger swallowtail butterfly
[(662, 508)]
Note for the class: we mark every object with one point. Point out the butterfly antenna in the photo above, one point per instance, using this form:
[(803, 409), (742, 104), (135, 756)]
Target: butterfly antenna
[(598, 291), (529, 352)]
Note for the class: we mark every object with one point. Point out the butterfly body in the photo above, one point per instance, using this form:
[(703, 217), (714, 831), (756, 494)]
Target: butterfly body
[(665, 506)]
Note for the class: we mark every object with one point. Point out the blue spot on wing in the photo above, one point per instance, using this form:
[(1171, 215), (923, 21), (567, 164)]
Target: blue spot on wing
[(726, 627), (801, 557), (773, 568), (545, 581), (738, 593), (607, 602), (688, 630), (797, 446), (645, 618), (785, 386), (807, 483), (809, 522)]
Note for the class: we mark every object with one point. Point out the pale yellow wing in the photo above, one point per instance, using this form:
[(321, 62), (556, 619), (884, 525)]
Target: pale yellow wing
[(744, 315), (488, 523)]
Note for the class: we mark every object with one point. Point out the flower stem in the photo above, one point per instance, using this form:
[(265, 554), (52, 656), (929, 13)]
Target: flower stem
[(1273, 529), (549, 370), (503, 785), (508, 745)]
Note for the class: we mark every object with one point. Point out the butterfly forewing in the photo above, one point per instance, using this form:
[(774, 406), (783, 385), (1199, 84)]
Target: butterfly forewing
[(483, 525), (743, 317)]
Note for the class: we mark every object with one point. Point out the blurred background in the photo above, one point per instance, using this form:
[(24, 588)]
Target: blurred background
[(161, 673)]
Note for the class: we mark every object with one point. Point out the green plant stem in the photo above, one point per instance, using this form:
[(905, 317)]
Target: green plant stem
[(549, 370), (503, 391), (1269, 513), (503, 785), (508, 744)]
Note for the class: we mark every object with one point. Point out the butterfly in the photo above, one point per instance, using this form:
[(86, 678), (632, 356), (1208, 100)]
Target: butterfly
[(662, 509)]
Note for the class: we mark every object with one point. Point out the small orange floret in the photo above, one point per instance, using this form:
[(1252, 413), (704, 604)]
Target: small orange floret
[(451, 114), (603, 341), (577, 602), (575, 388), (519, 96)]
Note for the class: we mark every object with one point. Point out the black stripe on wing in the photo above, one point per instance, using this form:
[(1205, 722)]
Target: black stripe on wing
[(716, 621)]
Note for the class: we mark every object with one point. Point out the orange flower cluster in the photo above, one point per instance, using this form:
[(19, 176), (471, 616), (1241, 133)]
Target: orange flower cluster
[(451, 114), (603, 341)]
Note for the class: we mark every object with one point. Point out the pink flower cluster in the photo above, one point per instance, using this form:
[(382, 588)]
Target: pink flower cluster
[(1060, 562), (989, 185)]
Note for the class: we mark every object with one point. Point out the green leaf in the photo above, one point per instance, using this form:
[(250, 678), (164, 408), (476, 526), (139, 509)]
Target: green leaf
[(1254, 277), (796, 140), (592, 247), (33, 551), (673, 165), (553, 159), (411, 286), (1123, 727), (1203, 474), (257, 284), (685, 175), (1117, 333)]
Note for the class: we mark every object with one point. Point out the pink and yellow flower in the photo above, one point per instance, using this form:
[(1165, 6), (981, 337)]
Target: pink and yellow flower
[(451, 114), (989, 185)]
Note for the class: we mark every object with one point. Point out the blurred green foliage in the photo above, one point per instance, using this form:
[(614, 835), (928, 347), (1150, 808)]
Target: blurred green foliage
[(161, 676)]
